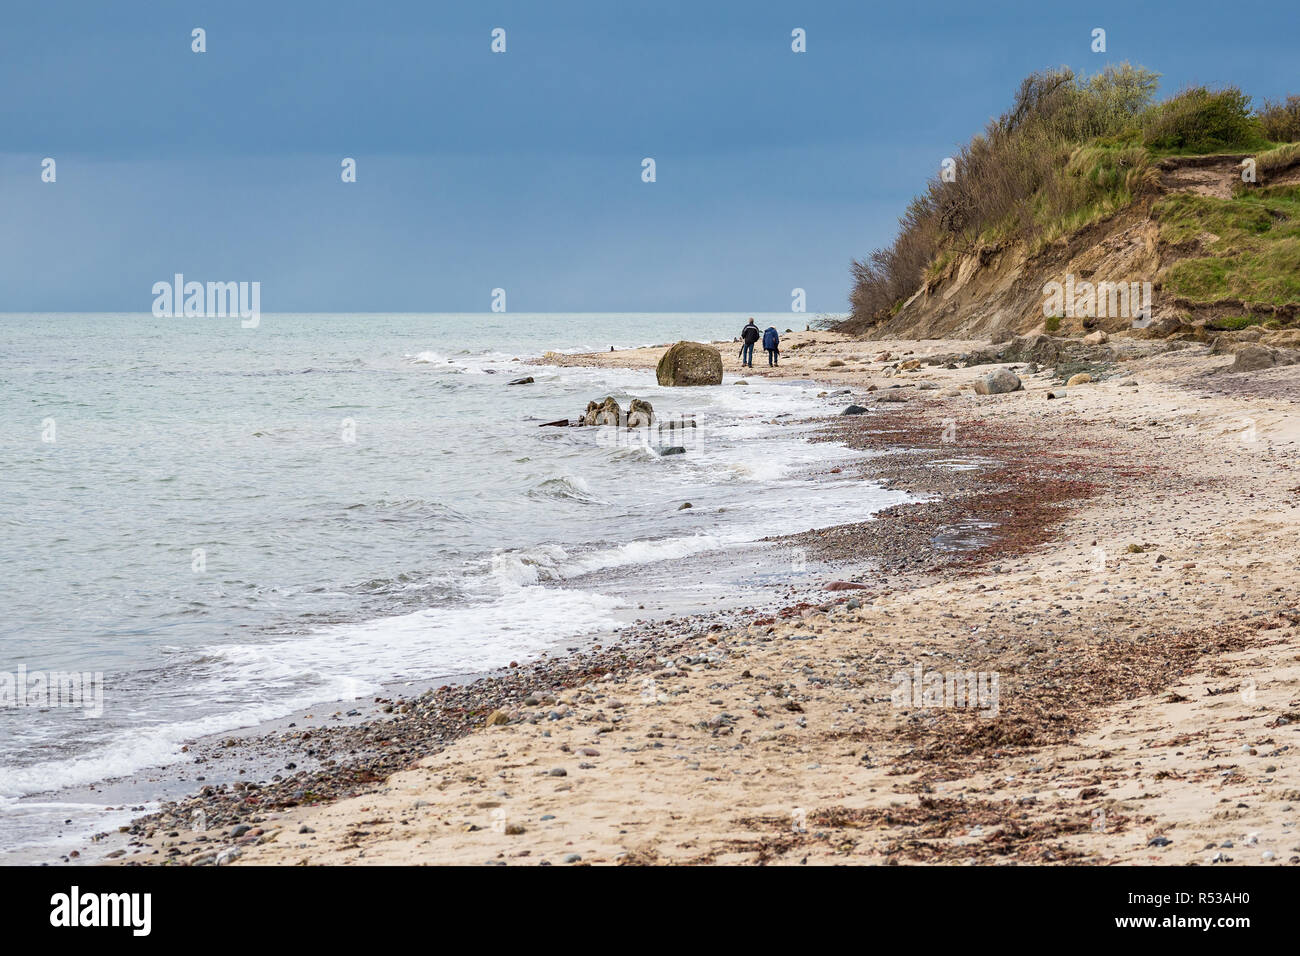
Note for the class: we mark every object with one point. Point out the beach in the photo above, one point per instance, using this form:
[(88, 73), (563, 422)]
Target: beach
[(1073, 643), (363, 515)]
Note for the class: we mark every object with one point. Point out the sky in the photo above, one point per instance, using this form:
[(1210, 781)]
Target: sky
[(523, 170)]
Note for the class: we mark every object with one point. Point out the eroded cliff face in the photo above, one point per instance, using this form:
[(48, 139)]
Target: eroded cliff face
[(997, 291)]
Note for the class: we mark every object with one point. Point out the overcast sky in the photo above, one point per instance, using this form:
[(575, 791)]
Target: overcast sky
[(523, 170)]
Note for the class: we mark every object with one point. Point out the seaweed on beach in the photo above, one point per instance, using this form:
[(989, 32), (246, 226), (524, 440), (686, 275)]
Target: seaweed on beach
[(1015, 491), (931, 830), (1043, 705)]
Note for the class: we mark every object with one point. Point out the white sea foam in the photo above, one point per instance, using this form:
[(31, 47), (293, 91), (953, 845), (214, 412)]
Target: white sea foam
[(158, 744), (445, 640), (340, 662), (430, 358), (645, 552)]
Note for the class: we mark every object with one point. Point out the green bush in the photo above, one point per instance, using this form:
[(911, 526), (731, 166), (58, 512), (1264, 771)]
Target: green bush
[(1052, 324), (1281, 121), (1199, 120), (1232, 323)]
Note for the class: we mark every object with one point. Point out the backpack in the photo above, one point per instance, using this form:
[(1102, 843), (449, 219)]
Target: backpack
[(770, 339)]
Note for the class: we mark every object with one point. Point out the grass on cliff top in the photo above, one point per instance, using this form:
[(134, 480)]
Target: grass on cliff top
[(1278, 158), (1254, 252), (1099, 181), (1089, 184)]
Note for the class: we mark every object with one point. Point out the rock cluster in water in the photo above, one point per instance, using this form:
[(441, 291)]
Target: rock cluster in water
[(640, 414)]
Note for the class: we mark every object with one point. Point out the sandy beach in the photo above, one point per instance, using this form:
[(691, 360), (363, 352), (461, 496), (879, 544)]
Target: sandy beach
[(1109, 573)]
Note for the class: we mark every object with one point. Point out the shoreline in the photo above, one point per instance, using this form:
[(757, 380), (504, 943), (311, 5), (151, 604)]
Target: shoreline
[(353, 730), (261, 756), (1148, 685)]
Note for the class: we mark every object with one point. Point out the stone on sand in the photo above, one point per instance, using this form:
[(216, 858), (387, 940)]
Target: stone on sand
[(1253, 358), (997, 382)]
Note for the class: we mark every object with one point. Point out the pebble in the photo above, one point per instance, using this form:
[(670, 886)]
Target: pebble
[(229, 854)]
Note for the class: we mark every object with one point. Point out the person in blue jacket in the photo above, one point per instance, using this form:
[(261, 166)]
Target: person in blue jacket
[(772, 346)]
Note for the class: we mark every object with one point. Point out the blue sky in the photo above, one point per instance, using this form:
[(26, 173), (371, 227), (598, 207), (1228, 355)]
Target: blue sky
[(522, 170)]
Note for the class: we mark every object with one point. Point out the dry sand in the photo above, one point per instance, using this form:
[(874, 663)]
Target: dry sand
[(1147, 655)]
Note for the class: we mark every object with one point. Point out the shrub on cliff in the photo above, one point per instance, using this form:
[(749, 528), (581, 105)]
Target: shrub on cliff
[(1199, 120), (1281, 121)]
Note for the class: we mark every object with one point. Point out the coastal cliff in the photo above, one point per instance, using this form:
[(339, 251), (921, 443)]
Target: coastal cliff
[(1089, 206)]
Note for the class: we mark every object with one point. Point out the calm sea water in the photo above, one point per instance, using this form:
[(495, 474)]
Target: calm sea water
[(231, 524)]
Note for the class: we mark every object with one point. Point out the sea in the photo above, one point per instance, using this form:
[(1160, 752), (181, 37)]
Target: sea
[(205, 527)]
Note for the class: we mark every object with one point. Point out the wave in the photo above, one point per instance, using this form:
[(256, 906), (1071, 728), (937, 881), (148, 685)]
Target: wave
[(552, 563), (565, 488), (649, 551), (433, 358), (517, 569), (478, 363)]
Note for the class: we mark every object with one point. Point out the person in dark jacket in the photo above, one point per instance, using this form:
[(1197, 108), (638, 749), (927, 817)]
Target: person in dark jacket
[(748, 335), (772, 345)]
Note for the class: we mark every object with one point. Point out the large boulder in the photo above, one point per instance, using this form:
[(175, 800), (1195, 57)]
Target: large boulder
[(690, 363), (1252, 358), (997, 382), (1038, 347)]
